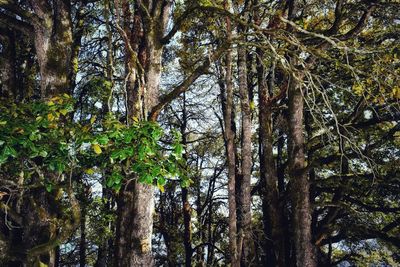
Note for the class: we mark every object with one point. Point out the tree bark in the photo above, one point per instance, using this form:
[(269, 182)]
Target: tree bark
[(244, 242), (136, 200), (7, 65), (53, 43), (82, 241), (186, 209), (52, 36), (230, 150), (268, 170), (300, 185)]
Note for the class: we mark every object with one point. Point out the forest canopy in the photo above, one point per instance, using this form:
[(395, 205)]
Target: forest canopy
[(199, 133)]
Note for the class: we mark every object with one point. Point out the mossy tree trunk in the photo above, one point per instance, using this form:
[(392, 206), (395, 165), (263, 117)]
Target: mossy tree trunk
[(47, 24), (143, 63), (53, 43), (7, 64)]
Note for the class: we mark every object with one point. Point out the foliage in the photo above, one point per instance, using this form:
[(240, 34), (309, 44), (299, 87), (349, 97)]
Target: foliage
[(41, 137)]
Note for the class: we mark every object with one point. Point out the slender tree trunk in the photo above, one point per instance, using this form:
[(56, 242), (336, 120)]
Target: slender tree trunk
[(82, 243), (57, 257), (186, 209), (246, 161), (187, 236), (300, 185), (230, 151), (200, 255)]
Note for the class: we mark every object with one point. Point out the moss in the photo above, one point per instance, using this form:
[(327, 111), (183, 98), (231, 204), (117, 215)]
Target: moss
[(57, 59), (75, 65)]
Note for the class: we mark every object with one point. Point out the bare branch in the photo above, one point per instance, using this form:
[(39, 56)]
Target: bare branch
[(183, 86)]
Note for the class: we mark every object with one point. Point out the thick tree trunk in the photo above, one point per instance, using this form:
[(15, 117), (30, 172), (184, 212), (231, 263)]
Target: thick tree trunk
[(7, 65), (52, 39), (267, 167), (300, 185), (37, 230), (53, 44), (135, 225), (136, 200), (271, 182)]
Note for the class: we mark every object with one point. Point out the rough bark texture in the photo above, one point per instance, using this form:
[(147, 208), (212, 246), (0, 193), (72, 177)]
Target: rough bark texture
[(36, 228), (246, 161), (134, 228), (136, 200), (53, 41), (38, 236), (53, 44), (7, 64), (300, 186), (230, 152), (268, 171)]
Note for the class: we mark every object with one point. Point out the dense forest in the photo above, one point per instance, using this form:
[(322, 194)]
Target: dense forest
[(199, 133)]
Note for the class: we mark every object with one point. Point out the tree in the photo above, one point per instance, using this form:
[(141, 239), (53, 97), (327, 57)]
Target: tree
[(263, 133)]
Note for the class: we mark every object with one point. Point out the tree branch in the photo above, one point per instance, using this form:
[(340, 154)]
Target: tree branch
[(177, 25), (183, 86), (360, 25), (13, 8), (16, 24)]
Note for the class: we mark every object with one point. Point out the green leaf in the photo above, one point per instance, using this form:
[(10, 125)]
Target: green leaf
[(156, 170), (103, 139), (10, 151), (60, 167), (110, 182), (114, 181), (49, 187), (161, 181), (178, 149), (43, 153), (64, 111)]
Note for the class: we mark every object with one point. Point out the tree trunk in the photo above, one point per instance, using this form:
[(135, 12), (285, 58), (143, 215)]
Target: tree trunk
[(52, 40), (7, 65), (82, 243), (186, 209), (230, 152), (300, 186), (136, 200), (53, 44), (246, 161), (105, 248), (267, 167)]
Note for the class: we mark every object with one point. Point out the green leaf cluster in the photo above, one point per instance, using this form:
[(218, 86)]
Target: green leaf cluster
[(43, 138)]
